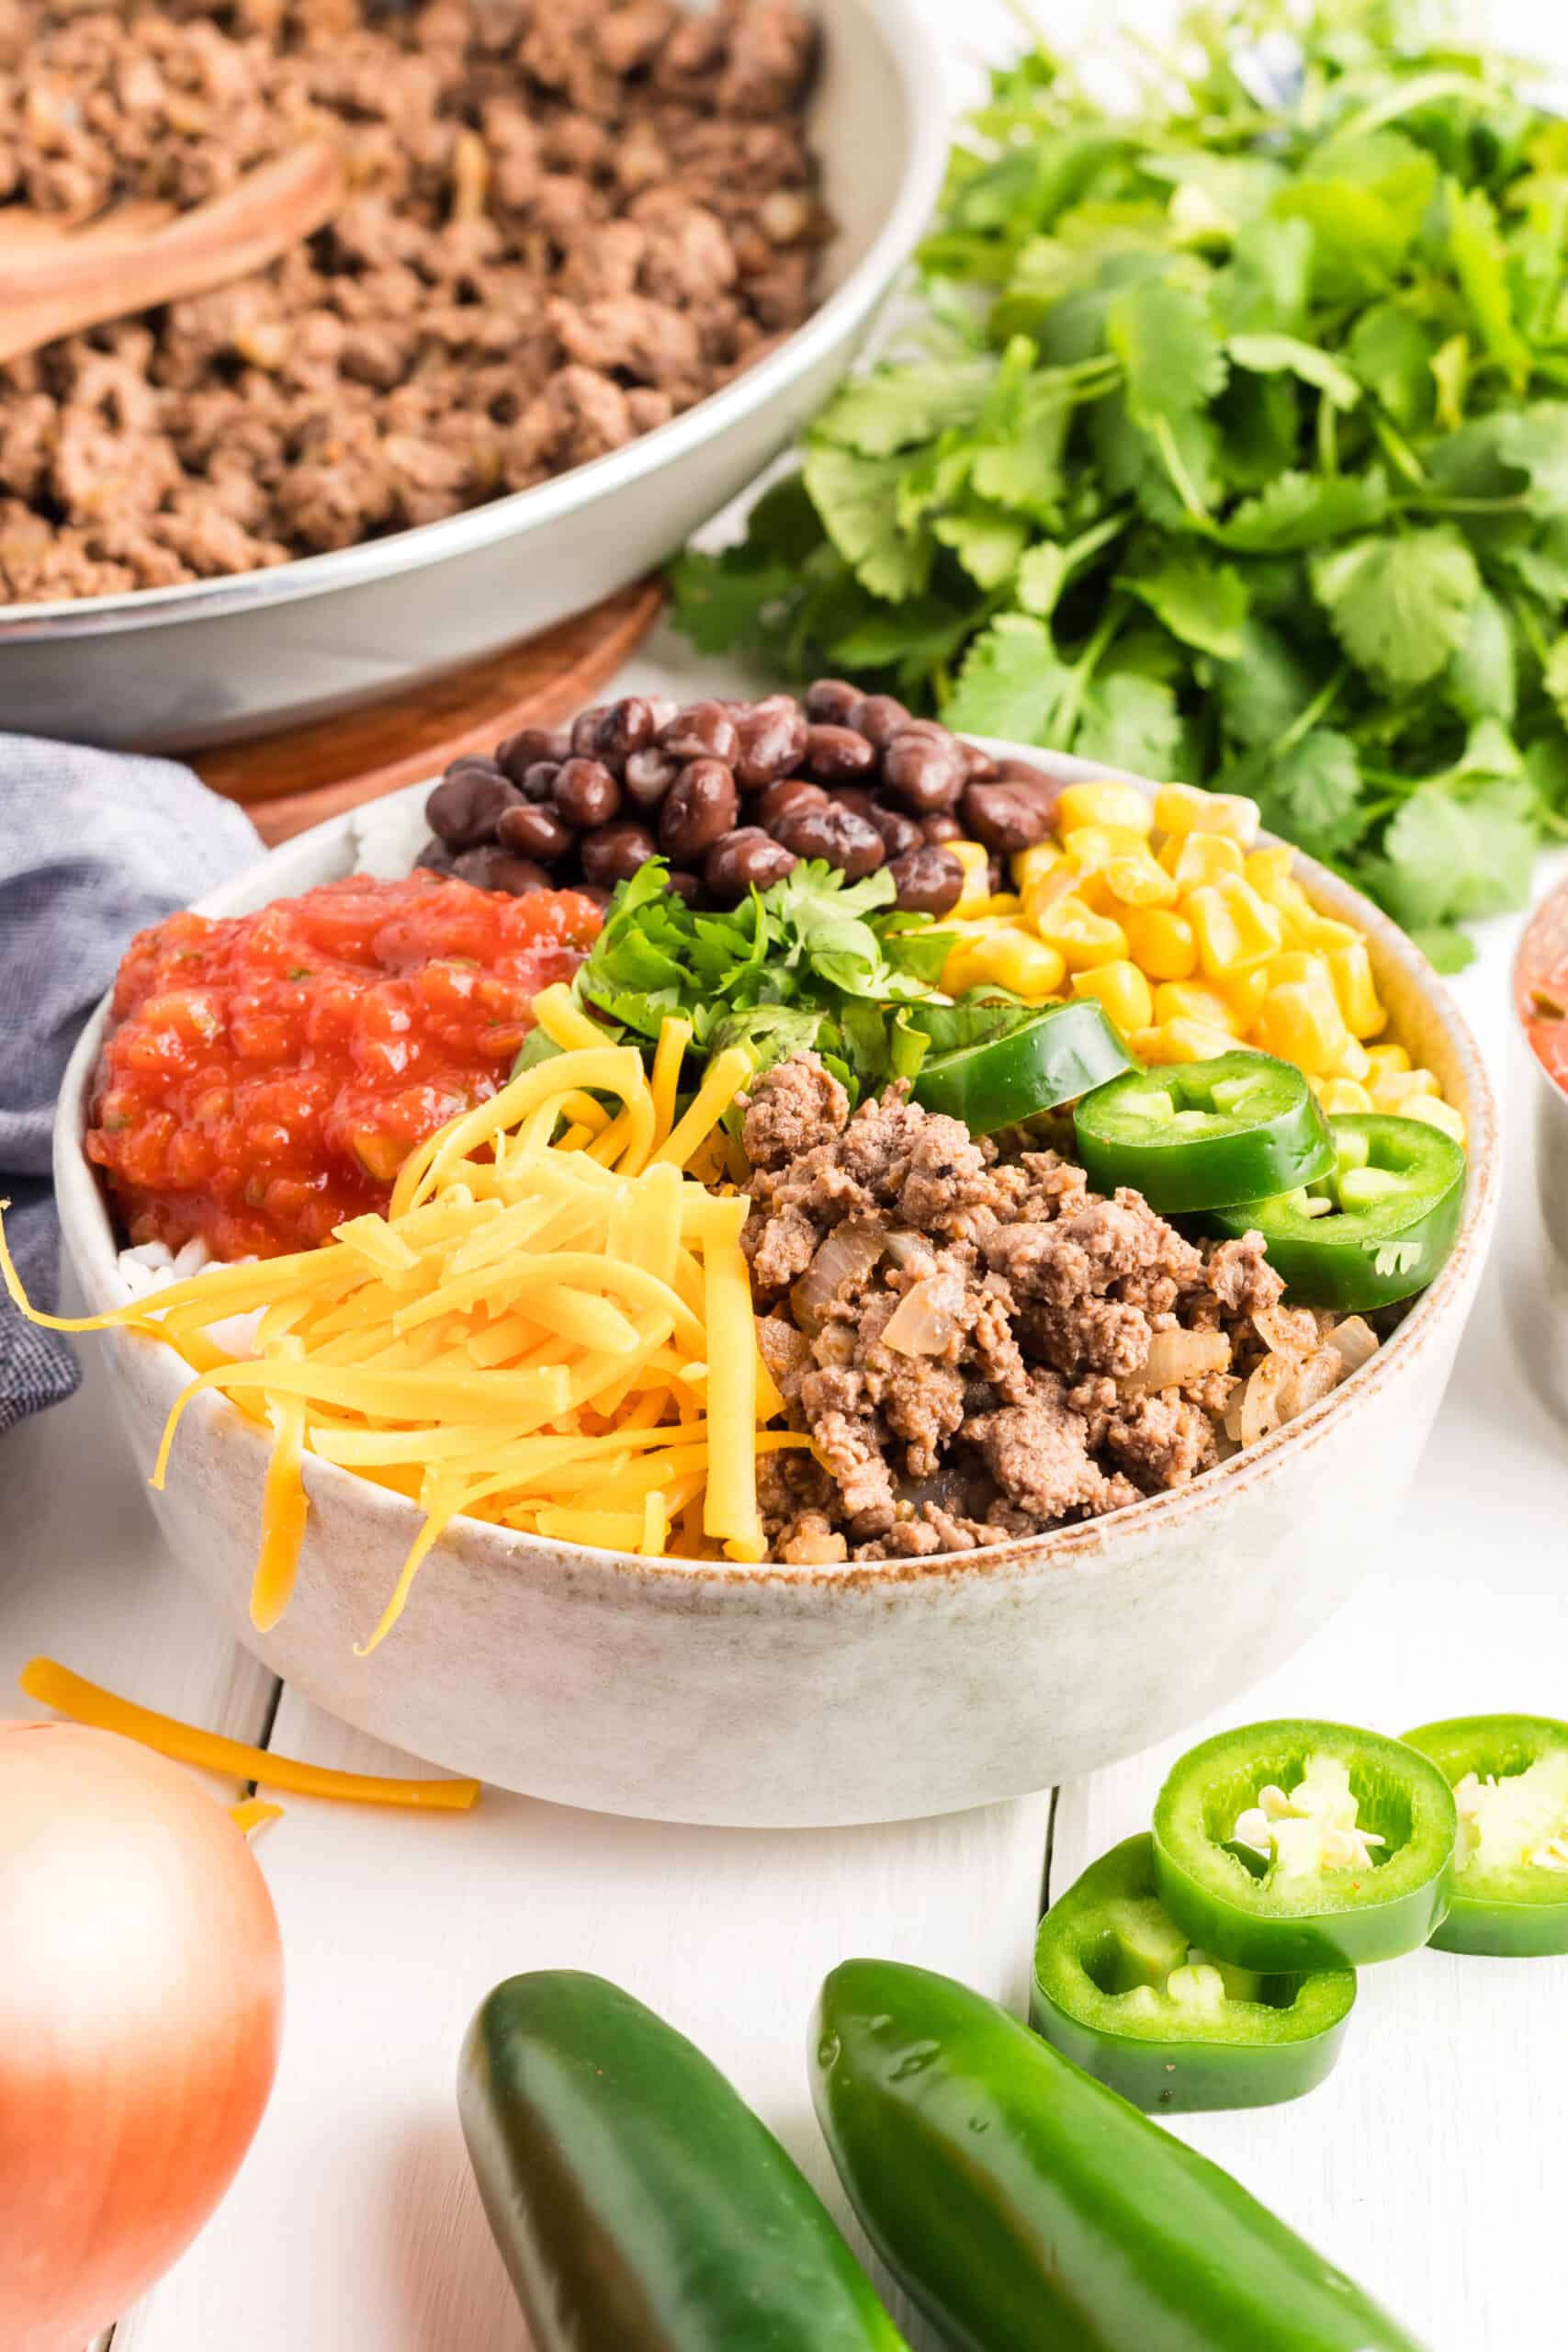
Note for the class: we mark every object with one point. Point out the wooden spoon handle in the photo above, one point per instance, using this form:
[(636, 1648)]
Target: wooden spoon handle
[(96, 277)]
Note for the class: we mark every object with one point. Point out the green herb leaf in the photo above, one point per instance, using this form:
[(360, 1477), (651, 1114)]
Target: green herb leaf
[(1399, 606)]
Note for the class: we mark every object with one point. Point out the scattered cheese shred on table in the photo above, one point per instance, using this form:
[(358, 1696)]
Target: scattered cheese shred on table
[(252, 1814), (54, 1685), (551, 1327)]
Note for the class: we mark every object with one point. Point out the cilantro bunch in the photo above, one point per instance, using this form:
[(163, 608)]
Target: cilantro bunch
[(814, 962), (1235, 449)]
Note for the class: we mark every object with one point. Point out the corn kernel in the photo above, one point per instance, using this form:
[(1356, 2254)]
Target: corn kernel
[(1340, 1095), (1356, 990), (1096, 845), (1138, 882), (1353, 1062), (1396, 1090), (1013, 960), (1183, 1041), (1437, 1115), (1001, 906), (1123, 991), (1193, 859), (1244, 993), (1104, 802), (1233, 927), (1291, 902), (1060, 881), (1190, 1000), (1182, 809), (1296, 964), (1300, 1023), (1324, 932), (961, 971), (976, 860), (1385, 1058), (1029, 864), (1079, 935), (1161, 943), (1267, 868)]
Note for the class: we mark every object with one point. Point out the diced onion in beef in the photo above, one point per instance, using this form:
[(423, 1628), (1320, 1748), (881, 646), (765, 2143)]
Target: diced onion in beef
[(1355, 1342), (1291, 1330), (1176, 1357), (1253, 1410), (925, 1321), (848, 1255)]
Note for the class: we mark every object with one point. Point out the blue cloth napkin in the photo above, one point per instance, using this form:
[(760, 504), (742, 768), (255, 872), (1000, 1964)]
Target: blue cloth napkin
[(93, 846)]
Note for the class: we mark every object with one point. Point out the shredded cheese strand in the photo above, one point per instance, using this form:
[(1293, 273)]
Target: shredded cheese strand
[(54, 1685)]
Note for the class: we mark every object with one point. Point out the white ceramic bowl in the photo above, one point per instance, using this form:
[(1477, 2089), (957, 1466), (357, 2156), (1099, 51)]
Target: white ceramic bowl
[(219, 660), (778, 1696)]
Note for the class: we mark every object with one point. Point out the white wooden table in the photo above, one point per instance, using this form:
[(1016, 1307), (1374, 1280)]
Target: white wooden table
[(1431, 2165)]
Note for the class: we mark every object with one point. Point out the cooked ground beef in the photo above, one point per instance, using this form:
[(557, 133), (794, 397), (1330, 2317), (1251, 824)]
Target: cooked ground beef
[(978, 1345), (570, 219)]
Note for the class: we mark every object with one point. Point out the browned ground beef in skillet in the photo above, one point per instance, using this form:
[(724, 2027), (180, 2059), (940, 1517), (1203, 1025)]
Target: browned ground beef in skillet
[(569, 220)]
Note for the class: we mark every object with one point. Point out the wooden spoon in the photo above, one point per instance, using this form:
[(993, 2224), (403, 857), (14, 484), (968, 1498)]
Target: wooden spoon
[(55, 280)]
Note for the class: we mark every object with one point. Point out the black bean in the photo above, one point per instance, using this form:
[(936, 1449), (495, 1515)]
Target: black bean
[(703, 730), (930, 880), (594, 890), (627, 727), (1005, 816), (746, 856), (586, 794), (701, 804), (685, 886), (497, 869), (1038, 782), (899, 833), (534, 831), (836, 833), (772, 740), (838, 754), (854, 797), (829, 701), (436, 856), (924, 769), (790, 792), (648, 777), (878, 718), (585, 730), (465, 805), (982, 767), (531, 744), (941, 827), (614, 853)]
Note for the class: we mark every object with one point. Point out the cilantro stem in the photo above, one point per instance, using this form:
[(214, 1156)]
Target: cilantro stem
[(1397, 450), (1175, 466), (1434, 502), (1066, 714), (1316, 711), (1327, 437)]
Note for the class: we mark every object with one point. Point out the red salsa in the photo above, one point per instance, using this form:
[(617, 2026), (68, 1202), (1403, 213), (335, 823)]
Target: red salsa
[(1542, 984), (270, 1072)]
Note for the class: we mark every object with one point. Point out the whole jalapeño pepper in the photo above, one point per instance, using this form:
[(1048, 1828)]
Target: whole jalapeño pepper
[(1119, 1988), (1026, 2208), (637, 2202)]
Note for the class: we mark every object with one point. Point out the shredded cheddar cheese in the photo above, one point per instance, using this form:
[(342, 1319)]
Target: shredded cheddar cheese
[(55, 1685), (552, 1327), (254, 1813)]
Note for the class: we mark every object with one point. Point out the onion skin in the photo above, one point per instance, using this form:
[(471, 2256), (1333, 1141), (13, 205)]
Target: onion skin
[(141, 2009)]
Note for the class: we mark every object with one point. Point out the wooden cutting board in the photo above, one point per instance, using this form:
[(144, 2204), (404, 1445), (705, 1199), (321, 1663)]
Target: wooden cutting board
[(294, 779)]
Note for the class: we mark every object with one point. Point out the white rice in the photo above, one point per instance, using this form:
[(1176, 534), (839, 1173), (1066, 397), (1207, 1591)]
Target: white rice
[(154, 1267)]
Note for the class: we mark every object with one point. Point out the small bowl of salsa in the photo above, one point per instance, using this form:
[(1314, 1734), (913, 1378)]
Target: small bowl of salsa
[(1540, 1001)]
